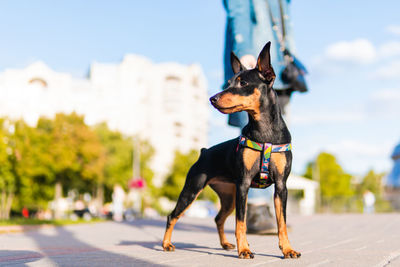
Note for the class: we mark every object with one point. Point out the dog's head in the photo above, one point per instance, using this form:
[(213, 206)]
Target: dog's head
[(247, 88)]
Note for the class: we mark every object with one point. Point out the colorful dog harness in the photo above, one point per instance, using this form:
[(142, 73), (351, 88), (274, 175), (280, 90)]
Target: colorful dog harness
[(266, 148)]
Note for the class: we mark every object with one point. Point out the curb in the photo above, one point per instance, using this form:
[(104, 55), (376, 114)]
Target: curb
[(21, 228)]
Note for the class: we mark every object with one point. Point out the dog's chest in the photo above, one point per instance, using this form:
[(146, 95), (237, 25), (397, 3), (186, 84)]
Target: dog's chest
[(278, 161), (262, 175), (251, 158)]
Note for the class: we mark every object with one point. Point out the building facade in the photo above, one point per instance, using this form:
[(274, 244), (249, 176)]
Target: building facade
[(165, 103)]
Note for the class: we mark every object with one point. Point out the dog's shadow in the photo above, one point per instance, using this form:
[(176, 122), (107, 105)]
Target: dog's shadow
[(154, 245), (178, 245)]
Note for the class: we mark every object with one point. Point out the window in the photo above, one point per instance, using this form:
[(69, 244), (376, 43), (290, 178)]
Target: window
[(38, 81)]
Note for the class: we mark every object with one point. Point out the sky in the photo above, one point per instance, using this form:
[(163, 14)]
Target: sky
[(350, 48)]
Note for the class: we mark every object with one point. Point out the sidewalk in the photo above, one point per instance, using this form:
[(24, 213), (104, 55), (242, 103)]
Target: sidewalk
[(323, 240)]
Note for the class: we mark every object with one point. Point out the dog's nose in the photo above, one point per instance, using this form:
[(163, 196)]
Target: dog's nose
[(214, 99)]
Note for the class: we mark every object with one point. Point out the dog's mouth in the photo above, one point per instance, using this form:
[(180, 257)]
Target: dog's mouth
[(227, 110)]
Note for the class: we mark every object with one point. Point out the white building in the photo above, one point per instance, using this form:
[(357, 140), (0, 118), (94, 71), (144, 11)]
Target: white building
[(166, 103), (308, 203)]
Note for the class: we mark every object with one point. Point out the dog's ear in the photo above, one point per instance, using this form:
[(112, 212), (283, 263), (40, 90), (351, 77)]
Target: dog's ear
[(264, 64), (236, 64)]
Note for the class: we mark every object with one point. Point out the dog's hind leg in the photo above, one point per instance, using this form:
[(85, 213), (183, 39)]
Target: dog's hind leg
[(195, 182), (226, 193)]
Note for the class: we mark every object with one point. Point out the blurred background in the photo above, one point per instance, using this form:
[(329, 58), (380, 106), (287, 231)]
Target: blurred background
[(104, 106)]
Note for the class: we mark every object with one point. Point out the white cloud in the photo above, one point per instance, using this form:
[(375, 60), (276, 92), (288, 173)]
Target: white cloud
[(389, 49), (357, 148), (386, 95), (359, 51), (389, 71), (382, 103), (313, 118), (355, 156), (385, 104), (393, 29)]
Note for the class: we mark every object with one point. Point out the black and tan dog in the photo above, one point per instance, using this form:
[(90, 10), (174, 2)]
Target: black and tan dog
[(230, 169)]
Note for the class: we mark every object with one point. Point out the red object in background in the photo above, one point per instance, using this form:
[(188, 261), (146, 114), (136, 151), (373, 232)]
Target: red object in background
[(138, 183), (25, 212)]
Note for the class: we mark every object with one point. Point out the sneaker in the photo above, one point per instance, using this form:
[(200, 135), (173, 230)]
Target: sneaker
[(259, 220)]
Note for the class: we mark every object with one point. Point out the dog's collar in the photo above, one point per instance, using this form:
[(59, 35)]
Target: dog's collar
[(266, 148)]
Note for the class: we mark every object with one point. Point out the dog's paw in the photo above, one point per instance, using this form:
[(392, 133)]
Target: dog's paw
[(290, 253), (246, 254), (228, 246), (168, 247)]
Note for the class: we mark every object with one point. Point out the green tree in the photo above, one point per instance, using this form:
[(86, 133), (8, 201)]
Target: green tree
[(59, 153), (77, 157), (373, 182), (119, 152), (335, 184), (7, 178), (63, 153), (118, 167), (309, 170), (146, 154), (176, 179), (31, 162)]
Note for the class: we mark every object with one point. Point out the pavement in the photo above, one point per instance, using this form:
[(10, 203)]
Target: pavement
[(323, 240)]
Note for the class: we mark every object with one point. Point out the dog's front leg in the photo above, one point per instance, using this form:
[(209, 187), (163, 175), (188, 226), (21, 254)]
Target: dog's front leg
[(280, 199), (242, 188)]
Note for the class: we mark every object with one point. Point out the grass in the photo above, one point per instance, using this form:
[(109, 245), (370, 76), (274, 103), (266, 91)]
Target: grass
[(31, 221)]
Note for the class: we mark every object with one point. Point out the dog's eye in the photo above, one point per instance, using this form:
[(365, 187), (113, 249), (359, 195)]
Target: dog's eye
[(243, 83)]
